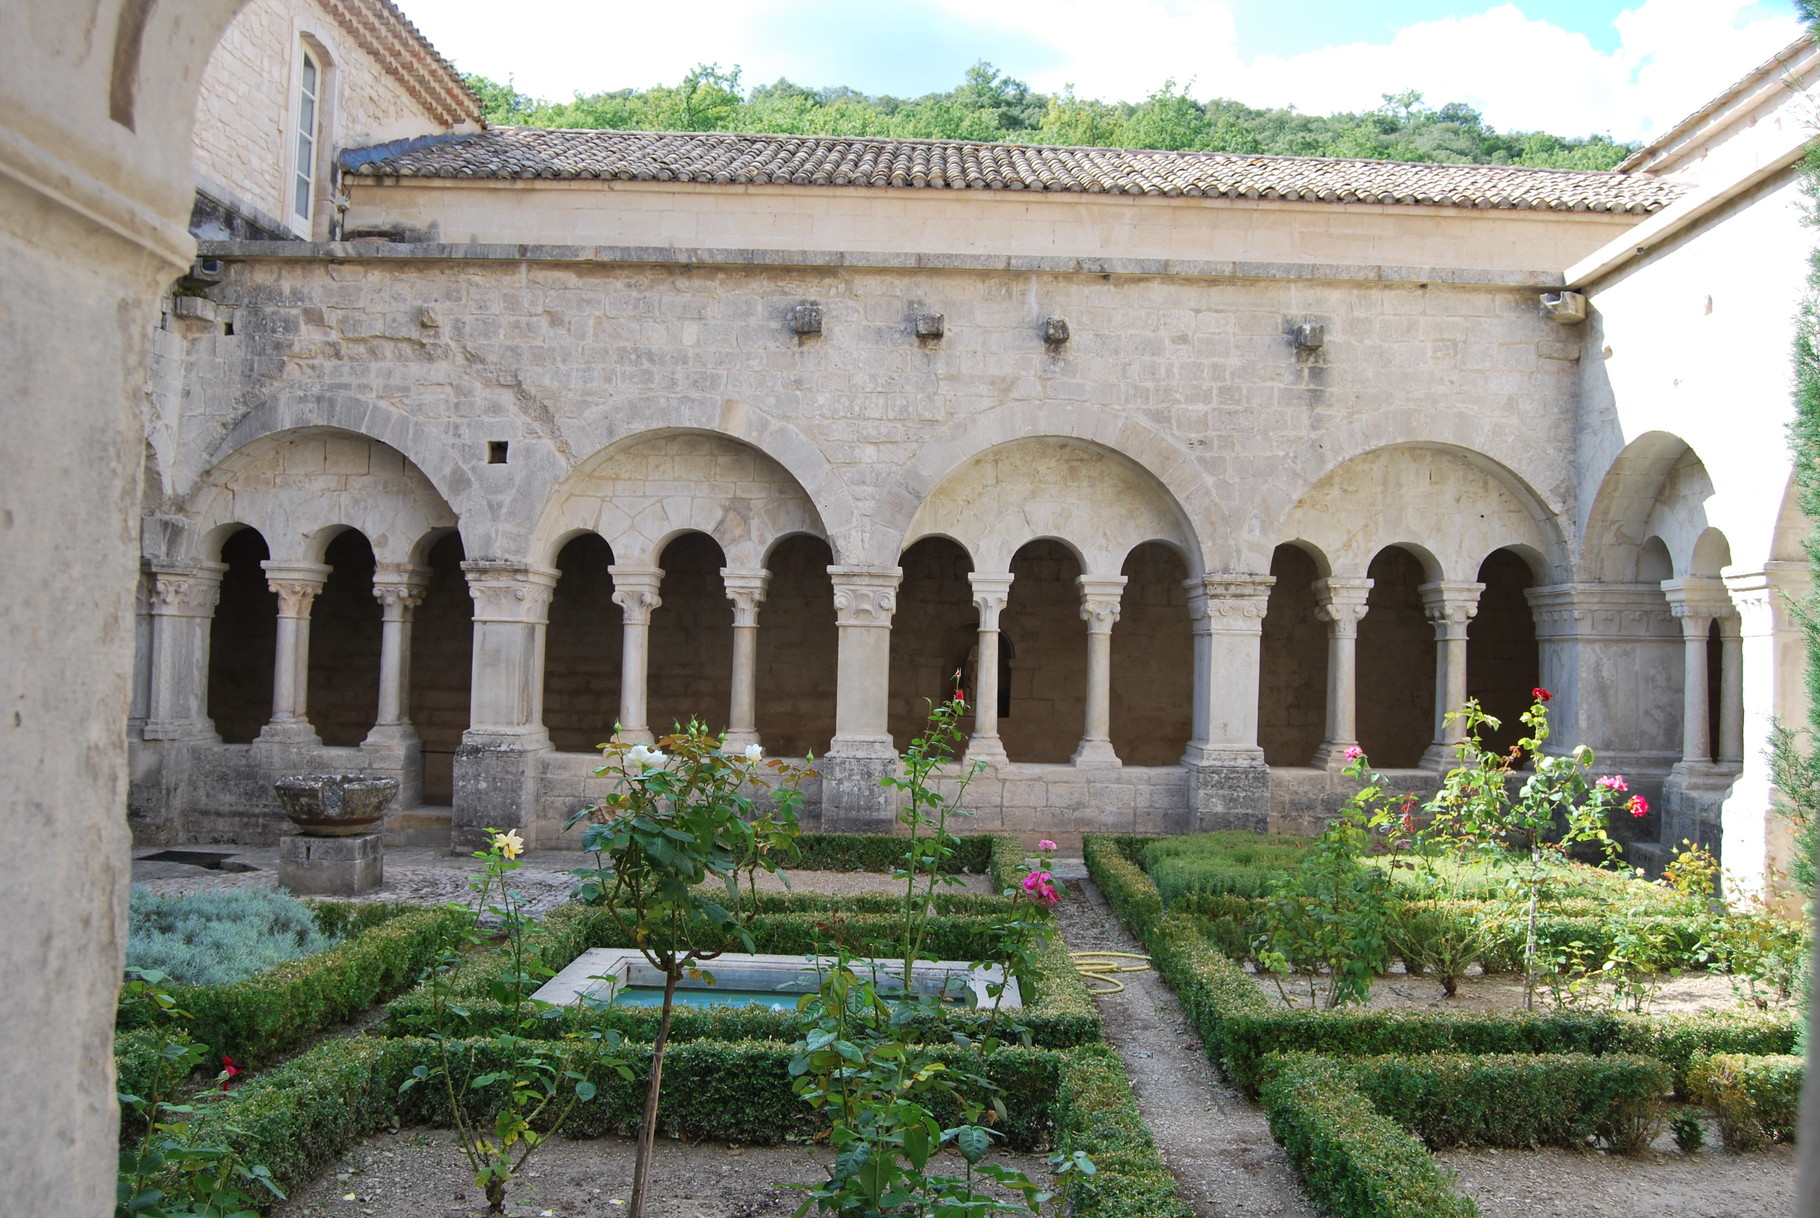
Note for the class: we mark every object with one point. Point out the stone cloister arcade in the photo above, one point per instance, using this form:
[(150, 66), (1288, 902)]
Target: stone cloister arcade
[(319, 608)]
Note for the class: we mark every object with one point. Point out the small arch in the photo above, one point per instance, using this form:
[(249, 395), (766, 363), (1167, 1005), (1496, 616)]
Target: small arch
[(583, 647), (1503, 659), (691, 648), (442, 664), (1042, 621), (243, 637), (934, 632), (1712, 554), (1396, 663), (343, 696), (1152, 686), (1653, 562), (1292, 667), (797, 649)]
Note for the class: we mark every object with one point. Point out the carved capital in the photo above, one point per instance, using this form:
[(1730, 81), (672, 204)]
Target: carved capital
[(1767, 600), (509, 591), (1100, 601), (746, 589), (185, 590), (1696, 601), (865, 596), (1341, 603), (1450, 606), (635, 592), (1601, 612), (399, 588), (991, 593), (1229, 603), (296, 583)]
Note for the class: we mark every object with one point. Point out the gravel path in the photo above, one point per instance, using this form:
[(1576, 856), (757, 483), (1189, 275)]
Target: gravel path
[(1216, 1144)]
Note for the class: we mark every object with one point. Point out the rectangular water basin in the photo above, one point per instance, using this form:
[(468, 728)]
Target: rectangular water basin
[(603, 975)]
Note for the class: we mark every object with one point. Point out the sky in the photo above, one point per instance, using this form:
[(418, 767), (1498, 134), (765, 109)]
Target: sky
[(1627, 68)]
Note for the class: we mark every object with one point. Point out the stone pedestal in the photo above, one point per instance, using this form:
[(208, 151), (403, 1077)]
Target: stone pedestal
[(330, 866)]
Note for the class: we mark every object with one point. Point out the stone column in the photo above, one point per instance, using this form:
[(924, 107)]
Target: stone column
[(1341, 603), (1100, 610), (1611, 655), (183, 597), (1731, 694), (399, 588), (1695, 602), (635, 592), (1770, 685), (1229, 784), (990, 594), (862, 751), (746, 589), (498, 766), (297, 585), (1450, 606)]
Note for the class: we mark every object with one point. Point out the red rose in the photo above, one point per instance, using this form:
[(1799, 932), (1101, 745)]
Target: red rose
[(1540, 694)]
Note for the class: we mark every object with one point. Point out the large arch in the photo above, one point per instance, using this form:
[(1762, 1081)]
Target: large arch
[(1447, 507), (1201, 518), (300, 488), (643, 492), (1656, 487), (1099, 502)]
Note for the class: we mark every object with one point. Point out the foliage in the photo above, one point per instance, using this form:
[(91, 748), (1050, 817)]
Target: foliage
[(272, 1013), (674, 821), (1232, 862), (988, 105), (1331, 914), (1690, 1135), (1359, 1162), (535, 1086), (1096, 1115), (1757, 1099), (220, 936), (168, 1169)]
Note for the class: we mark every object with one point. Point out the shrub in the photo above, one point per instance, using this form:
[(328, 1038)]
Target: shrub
[(1357, 1161), (269, 1014), (1756, 1098), (1096, 1114), (1231, 862), (218, 936)]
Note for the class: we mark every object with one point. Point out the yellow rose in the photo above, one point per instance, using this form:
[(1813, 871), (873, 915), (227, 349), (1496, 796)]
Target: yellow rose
[(509, 843)]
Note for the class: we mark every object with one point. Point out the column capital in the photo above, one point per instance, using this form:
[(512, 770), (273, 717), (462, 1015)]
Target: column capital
[(1100, 596), (296, 583), (1342, 603), (635, 591), (1767, 600), (1610, 613), (746, 589), (1697, 600), (1450, 605), (991, 593), (399, 587), (185, 589), (509, 591), (1228, 603), (865, 596)]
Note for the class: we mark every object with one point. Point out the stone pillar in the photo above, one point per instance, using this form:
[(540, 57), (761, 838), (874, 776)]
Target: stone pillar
[(1695, 602), (862, 751), (746, 589), (1450, 606), (183, 600), (1341, 603), (1612, 659), (297, 585), (1100, 610), (498, 766), (399, 588), (140, 707), (1730, 744), (1228, 782), (990, 594), (635, 592), (1769, 680)]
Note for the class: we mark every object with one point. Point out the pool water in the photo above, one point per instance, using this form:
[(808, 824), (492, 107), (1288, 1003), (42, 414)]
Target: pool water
[(710, 996)]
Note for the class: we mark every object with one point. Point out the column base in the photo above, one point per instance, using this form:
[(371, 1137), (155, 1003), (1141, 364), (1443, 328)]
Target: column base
[(852, 799), (298, 732), (497, 781), (1233, 793), (1096, 753), (201, 731), (390, 737), (1440, 757), (1332, 756), (739, 739), (635, 735), (989, 749)]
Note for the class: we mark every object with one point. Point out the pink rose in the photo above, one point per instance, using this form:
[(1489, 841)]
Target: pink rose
[(1354, 752), (1045, 845)]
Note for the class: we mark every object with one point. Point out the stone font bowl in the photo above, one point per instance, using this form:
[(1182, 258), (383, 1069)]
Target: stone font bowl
[(335, 805)]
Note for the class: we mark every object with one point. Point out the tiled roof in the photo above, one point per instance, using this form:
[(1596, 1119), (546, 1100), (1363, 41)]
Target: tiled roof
[(383, 31), (718, 157)]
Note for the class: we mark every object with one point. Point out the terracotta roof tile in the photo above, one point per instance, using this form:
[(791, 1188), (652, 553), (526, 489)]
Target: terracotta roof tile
[(718, 157)]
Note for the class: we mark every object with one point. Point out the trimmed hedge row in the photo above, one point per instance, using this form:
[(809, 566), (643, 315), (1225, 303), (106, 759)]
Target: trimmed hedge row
[(993, 854), (1241, 1028), (267, 1015), (1358, 1162), (298, 1117), (1058, 1011), (1757, 1098)]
